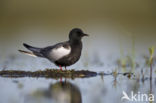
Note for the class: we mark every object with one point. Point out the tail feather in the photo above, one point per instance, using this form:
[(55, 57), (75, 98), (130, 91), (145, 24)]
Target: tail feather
[(27, 53), (35, 51)]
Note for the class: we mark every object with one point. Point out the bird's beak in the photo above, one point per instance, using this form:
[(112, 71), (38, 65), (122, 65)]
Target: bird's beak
[(85, 35)]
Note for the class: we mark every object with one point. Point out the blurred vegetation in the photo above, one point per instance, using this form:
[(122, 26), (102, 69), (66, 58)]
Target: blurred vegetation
[(129, 60)]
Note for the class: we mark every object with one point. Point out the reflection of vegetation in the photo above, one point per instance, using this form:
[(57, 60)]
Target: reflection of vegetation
[(48, 73), (115, 74)]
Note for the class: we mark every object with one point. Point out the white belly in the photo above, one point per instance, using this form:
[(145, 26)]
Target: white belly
[(58, 53)]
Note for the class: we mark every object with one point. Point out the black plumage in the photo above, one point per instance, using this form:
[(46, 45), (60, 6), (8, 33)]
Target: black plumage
[(62, 54)]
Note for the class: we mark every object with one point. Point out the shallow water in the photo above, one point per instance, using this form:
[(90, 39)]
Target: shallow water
[(100, 89)]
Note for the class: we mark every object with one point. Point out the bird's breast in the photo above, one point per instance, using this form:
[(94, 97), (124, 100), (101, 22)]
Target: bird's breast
[(58, 53)]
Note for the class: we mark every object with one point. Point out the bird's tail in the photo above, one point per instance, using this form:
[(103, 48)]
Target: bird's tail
[(35, 51), (27, 53)]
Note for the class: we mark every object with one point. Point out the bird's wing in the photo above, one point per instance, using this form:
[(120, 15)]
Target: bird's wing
[(57, 51)]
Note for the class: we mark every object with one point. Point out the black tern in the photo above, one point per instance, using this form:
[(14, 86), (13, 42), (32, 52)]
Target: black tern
[(62, 54)]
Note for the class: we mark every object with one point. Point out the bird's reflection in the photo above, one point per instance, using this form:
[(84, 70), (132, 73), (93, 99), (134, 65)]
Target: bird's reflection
[(60, 92)]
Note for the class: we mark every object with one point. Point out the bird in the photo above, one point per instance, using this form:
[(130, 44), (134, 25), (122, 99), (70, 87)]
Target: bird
[(62, 54)]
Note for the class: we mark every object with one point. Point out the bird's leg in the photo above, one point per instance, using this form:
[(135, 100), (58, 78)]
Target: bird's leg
[(60, 67), (60, 79)]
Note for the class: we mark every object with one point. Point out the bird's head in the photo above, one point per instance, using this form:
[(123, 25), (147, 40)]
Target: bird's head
[(76, 34)]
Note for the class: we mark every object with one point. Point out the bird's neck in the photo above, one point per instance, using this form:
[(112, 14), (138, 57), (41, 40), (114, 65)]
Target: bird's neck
[(76, 46), (75, 42)]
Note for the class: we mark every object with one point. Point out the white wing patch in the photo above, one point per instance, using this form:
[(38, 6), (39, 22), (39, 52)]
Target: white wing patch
[(60, 52)]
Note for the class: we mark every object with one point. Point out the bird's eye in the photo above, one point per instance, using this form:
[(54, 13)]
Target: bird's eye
[(79, 33)]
